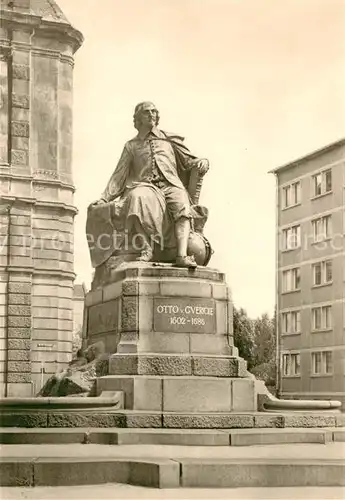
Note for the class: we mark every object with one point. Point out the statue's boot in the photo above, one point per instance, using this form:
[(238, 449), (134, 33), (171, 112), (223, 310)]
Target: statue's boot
[(186, 261)]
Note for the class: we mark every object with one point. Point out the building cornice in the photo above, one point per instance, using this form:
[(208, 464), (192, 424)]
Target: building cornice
[(12, 200), (310, 156), (29, 22)]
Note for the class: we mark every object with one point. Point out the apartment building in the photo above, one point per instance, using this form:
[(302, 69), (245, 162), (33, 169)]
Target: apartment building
[(310, 275)]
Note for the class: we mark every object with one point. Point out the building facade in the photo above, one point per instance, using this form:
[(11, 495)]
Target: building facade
[(310, 275), (79, 293), (37, 46)]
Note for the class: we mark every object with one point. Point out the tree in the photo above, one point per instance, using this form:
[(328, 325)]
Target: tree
[(244, 335), (264, 339), (264, 351)]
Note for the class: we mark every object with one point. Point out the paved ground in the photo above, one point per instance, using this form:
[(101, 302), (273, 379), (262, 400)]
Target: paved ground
[(123, 492), (329, 451)]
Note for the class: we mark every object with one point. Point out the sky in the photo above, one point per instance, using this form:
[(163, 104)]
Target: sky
[(251, 84)]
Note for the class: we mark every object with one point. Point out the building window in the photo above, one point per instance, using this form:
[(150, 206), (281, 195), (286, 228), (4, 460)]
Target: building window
[(321, 318), (291, 365), (322, 363), (292, 237), (291, 322), (291, 194), (322, 182), (322, 228), (291, 280), (322, 273)]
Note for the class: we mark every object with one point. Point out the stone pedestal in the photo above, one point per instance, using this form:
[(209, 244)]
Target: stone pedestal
[(172, 332)]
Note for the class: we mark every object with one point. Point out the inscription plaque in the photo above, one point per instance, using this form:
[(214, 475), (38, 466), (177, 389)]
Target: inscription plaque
[(184, 315)]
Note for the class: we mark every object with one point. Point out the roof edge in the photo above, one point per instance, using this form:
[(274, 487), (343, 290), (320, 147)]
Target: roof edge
[(324, 149)]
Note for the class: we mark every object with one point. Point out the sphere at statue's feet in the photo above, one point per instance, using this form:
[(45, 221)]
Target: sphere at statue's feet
[(200, 248)]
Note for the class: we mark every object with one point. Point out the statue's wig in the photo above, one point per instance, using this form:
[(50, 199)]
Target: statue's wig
[(137, 113)]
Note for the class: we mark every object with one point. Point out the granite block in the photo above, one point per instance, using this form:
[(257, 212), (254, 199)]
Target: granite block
[(138, 420), (305, 420), (129, 314), (19, 321), (19, 310), (27, 419), (243, 395), (207, 421), (21, 355), (130, 287), (19, 298), (21, 71), (83, 419), (268, 420), (189, 394), (19, 366), (218, 366), (19, 344), (19, 378), (144, 364), (14, 287), (21, 100)]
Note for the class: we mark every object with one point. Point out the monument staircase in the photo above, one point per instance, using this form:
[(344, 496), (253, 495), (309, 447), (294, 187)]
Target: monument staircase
[(174, 398)]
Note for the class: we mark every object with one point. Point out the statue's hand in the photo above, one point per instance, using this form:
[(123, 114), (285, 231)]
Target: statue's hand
[(202, 166)]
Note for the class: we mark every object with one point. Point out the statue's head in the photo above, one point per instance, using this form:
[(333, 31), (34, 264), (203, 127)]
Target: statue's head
[(145, 113)]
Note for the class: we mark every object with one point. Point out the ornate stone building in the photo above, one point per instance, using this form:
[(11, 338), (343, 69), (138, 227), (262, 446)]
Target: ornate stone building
[(37, 44)]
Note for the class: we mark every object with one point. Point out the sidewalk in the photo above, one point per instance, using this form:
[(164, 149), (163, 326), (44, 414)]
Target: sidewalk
[(124, 492), (169, 466)]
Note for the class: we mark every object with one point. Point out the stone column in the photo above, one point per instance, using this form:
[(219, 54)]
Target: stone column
[(37, 44)]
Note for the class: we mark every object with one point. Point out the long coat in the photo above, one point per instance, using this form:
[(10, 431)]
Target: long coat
[(108, 218)]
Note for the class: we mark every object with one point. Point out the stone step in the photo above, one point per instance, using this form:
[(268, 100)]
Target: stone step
[(157, 473), (169, 420), (184, 437), (174, 467)]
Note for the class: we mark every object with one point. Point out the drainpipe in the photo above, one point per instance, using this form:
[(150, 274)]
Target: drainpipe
[(9, 97), (277, 329)]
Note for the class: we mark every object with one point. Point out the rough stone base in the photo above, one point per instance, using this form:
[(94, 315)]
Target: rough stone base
[(177, 364), (168, 420)]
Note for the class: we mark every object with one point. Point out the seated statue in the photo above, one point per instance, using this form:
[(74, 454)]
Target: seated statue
[(149, 209)]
